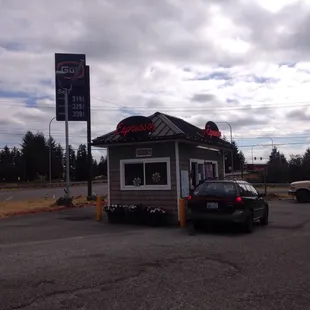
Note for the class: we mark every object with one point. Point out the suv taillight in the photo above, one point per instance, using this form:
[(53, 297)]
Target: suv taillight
[(239, 200), (189, 197)]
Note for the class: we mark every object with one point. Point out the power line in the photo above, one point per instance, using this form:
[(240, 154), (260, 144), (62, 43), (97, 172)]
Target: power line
[(74, 149), (61, 133), (239, 146), (169, 108), (275, 144)]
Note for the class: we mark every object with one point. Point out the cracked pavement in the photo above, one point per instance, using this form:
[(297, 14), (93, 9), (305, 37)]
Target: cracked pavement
[(49, 262)]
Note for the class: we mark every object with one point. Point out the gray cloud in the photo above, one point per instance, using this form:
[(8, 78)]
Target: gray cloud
[(203, 97), (238, 121), (124, 39), (142, 31), (298, 115)]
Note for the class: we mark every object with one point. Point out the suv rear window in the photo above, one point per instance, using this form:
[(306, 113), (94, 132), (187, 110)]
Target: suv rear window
[(215, 188)]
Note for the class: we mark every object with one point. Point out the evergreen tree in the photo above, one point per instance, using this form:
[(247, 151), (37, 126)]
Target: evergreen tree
[(94, 168), (7, 165), (57, 162), (295, 169), (82, 163), (306, 165), (35, 155), (72, 163), (102, 166), (238, 157), (277, 167)]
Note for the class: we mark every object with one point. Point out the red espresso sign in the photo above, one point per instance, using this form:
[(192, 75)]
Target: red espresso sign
[(123, 130), (211, 130), (137, 126), (211, 133)]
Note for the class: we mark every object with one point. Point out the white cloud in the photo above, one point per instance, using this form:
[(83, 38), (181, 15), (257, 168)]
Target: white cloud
[(243, 62)]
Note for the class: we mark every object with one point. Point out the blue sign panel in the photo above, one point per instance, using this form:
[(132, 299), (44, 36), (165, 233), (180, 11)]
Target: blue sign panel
[(76, 83)]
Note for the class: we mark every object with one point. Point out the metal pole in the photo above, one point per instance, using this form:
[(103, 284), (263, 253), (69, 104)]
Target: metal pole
[(232, 153), (67, 143), (231, 139), (272, 145), (252, 155), (271, 142), (50, 151), (90, 162)]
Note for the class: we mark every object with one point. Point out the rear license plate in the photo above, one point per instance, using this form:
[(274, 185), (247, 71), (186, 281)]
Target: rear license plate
[(212, 205)]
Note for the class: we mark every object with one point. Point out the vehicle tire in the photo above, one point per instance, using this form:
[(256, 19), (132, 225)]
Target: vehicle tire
[(191, 228), (302, 196), (248, 224), (265, 219)]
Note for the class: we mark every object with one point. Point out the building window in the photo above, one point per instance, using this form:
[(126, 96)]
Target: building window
[(156, 174), (145, 174), (133, 172)]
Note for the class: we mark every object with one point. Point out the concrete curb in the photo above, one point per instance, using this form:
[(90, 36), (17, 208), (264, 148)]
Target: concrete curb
[(52, 209)]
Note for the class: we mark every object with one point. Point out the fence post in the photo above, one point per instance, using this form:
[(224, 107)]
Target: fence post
[(182, 214)]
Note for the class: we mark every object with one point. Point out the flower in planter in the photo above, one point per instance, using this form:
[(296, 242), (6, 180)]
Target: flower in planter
[(114, 208), (156, 177), (136, 182), (156, 210), (132, 208)]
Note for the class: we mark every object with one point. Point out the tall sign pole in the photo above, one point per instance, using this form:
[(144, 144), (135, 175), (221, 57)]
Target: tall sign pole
[(66, 91), (90, 161), (71, 96), (50, 150)]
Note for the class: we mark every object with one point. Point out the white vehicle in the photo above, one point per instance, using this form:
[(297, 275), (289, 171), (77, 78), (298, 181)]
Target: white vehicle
[(300, 190)]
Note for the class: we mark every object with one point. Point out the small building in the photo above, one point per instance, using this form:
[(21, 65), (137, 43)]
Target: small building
[(156, 160)]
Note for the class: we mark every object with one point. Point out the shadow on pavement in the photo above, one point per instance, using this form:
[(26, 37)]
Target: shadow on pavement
[(224, 229)]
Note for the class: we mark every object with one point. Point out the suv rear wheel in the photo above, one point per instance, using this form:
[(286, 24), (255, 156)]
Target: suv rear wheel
[(265, 219), (302, 195)]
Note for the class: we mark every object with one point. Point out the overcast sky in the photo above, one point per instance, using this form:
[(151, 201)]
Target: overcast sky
[(238, 61)]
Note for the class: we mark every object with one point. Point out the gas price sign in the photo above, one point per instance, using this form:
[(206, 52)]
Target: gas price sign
[(78, 98)]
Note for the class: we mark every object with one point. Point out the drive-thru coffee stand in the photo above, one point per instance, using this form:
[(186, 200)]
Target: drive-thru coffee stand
[(156, 160)]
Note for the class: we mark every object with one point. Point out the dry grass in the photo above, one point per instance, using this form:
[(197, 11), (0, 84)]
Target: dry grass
[(277, 196), (9, 207)]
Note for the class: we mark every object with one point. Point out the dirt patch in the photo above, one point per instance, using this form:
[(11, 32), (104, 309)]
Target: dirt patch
[(10, 207), (277, 196)]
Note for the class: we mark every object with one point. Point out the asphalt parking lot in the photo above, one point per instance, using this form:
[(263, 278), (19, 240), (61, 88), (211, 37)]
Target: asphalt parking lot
[(68, 261)]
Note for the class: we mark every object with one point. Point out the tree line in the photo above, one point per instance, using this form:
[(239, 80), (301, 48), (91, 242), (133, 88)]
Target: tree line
[(279, 168), (283, 170), (30, 162)]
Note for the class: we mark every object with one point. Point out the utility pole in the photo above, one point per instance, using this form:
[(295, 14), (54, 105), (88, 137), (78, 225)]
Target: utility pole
[(232, 153), (90, 161), (66, 91), (50, 151)]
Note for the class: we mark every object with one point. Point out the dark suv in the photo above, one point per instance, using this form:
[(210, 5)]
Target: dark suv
[(227, 200)]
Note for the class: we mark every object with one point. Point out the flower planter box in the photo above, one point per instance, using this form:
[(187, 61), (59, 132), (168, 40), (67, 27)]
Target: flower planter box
[(135, 216), (116, 214), (155, 216), (156, 219), (115, 217)]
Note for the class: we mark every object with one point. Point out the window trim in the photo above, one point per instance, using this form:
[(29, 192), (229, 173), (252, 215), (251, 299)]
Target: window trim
[(124, 187)]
